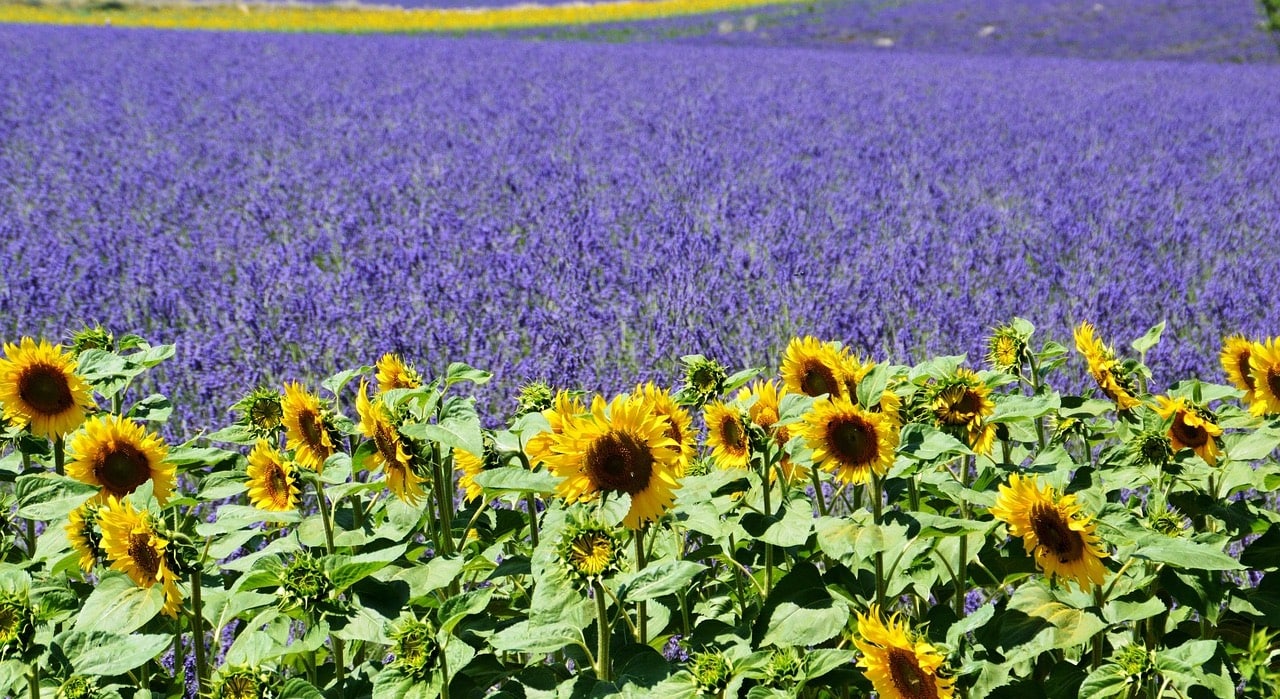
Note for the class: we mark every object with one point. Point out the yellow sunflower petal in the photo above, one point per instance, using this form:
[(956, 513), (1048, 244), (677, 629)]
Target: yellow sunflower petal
[(118, 455), (40, 390), (1055, 531)]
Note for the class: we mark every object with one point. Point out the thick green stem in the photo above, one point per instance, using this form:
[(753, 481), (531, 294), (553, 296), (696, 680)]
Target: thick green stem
[(326, 516), (197, 630), (768, 548), (444, 674), (642, 609), (33, 682), (602, 632), (1099, 637), (962, 566), (444, 500), (817, 491), (532, 502), (59, 454), (877, 515)]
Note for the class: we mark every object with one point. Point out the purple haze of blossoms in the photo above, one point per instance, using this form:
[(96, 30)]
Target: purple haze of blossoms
[(282, 206)]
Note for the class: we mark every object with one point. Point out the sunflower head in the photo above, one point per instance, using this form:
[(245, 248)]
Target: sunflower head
[(727, 435), (1264, 364), (394, 373), (962, 403), (1151, 448), (814, 368), (590, 550), (1135, 661), (849, 441), (96, 337), (17, 623), (473, 465), (679, 423), (307, 426), (566, 408), (1055, 531), (1191, 427), (1006, 349), (854, 369), (785, 669), (82, 534), (622, 447), (79, 687), (899, 664), (711, 671), (1169, 521), (118, 455), (534, 397), (391, 452), (1113, 378), (1235, 359), (261, 412), (304, 584), (137, 549), (242, 683), (704, 380), (273, 484), (40, 390), (413, 643), (765, 401)]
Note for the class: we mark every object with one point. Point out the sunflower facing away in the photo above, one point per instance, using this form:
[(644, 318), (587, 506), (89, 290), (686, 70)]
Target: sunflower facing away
[(1104, 368), (393, 373), (849, 441), (471, 466), (1265, 370), (1236, 353), (765, 413), (390, 453), (727, 436), (83, 536), (273, 485), (1054, 531), (137, 550), (566, 408), (854, 369), (1192, 427), (963, 401), (621, 449), (40, 390), (679, 422), (814, 368), (899, 664), (119, 455), (305, 427)]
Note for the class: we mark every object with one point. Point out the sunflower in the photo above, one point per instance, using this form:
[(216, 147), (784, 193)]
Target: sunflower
[(963, 401), (679, 422), (118, 455), (765, 413), (83, 536), (306, 428), (854, 370), (727, 436), (1104, 368), (590, 550), (1264, 364), (1054, 531), (1236, 351), (1193, 427), (623, 449), (261, 411), (566, 408), (390, 453), (393, 373), (137, 550), (848, 440), (273, 486), (1005, 349), (899, 664), (814, 368), (40, 390), (471, 466)]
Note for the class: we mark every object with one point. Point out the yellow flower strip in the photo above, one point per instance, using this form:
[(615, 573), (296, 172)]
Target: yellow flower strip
[(372, 19)]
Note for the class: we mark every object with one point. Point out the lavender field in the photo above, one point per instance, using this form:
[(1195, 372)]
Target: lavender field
[(282, 206)]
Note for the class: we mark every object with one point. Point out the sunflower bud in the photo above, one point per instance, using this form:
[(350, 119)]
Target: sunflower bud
[(304, 584), (88, 338), (1135, 661), (1151, 449), (261, 412), (589, 550), (181, 554), (1006, 350), (79, 687), (711, 671), (704, 379), (1170, 522), (534, 397), (245, 683), (17, 624), (785, 669), (414, 646)]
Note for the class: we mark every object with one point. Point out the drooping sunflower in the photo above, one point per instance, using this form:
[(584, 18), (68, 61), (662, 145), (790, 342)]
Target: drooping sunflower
[(899, 664), (390, 453), (1055, 531), (83, 535), (849, 441), (40, 390), (566, 408), (273, 486), (306, 427), (814, 368), (1264, 365), (727, 436), (393, 373), (1104, 368), (619, 448), (962, 401), (1235, 360), (137, 550), (765, 412), (119, 455), (1192, 427), (679, 422)]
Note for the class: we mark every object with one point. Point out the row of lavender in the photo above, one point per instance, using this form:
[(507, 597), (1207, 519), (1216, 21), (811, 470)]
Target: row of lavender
[(280, 206)]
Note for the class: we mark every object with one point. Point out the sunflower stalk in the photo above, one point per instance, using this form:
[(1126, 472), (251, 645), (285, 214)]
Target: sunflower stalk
[(817, 491), (1035, 391), (642, 608), (602, 632), (59, 454), (197, 630), (33, 682), (768, 548), (962, 565), (532, 503), (877, 516)]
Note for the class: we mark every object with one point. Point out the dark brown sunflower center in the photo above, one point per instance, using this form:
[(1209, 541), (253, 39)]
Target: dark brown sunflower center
[(144, 555), (619, 462), (673, 430), (765, 417), (385, 439), (278, 485), (1188, 435), (122, 469), (734, 436), (1055, 535), (969, 404), (852, 440), (1273, 381), (910, 681), (312, 429), (45, 388), (817, 379), (1246, 372)]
